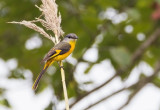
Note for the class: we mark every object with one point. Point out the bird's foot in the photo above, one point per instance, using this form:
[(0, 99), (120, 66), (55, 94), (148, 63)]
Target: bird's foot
[(62, 67)]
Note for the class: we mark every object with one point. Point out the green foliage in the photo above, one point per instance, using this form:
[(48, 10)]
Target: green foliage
[(49, 107), (4, 102), (121, 56), (83, 18)]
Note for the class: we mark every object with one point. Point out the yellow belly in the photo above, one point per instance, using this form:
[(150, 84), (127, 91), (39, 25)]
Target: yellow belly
[(61, 57)]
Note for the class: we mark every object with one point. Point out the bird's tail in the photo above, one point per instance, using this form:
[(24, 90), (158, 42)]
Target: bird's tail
[(36, 82)]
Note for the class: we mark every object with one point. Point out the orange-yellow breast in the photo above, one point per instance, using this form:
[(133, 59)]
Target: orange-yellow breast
[(61, 57)]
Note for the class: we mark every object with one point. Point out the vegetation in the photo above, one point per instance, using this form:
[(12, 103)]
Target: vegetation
[(125, 32)]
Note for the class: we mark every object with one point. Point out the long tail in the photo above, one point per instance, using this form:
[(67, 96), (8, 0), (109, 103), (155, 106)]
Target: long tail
[(36, 82)]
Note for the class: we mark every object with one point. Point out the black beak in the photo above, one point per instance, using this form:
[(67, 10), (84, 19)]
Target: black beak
[(76, 37)]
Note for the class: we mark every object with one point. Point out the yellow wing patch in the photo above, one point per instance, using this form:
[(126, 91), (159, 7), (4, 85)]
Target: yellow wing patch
[(57, 52)]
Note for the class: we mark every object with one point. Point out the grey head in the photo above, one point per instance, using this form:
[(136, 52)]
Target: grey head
[(70, 37)]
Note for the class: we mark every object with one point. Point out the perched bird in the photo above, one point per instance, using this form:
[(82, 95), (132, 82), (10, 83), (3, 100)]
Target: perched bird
[(59, 52)]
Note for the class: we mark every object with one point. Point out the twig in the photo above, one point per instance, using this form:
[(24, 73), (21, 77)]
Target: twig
[(136, 56), (104, 98), (131, 97), (86, 94), (138, 53), (112, 94)]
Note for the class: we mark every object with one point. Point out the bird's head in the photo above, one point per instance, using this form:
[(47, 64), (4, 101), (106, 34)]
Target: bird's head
[(70, 37)]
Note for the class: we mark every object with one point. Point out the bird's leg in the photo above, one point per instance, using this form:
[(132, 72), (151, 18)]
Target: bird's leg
[(60, 65)]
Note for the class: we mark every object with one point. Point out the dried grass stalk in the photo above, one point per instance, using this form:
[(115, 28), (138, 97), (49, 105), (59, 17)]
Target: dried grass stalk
[(51, 20)]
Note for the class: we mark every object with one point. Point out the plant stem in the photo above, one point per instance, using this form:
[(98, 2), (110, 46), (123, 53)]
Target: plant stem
[(64, 86)]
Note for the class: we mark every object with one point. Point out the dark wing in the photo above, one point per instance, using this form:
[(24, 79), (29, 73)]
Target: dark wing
[(49, 54), (58, 49)]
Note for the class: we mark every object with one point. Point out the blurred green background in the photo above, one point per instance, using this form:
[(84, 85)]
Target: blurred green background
[(123, 32)]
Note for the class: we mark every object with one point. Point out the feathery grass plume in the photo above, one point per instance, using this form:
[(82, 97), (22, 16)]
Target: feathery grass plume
[(33, 26), (51, 20)]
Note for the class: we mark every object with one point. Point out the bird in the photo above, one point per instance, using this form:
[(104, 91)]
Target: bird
[(59, 52)]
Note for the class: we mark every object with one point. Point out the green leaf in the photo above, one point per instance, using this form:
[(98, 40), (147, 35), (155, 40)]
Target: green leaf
[(4, 102), (121, 56), (49, 106), (156, 81)]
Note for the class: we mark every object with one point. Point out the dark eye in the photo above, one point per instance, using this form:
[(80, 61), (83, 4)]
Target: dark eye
[(69, 36)]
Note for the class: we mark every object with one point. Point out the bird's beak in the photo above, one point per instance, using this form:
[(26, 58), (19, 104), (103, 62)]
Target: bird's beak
[(76, 37)]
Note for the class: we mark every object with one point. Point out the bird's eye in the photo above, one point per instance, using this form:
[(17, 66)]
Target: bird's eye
[(69, 36)]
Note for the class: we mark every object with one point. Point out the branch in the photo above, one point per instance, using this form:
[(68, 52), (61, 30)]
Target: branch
[(136, 56), (112, 94), (105, 98), (131, 96), (86, 94), (139, 85), (138, 53)]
